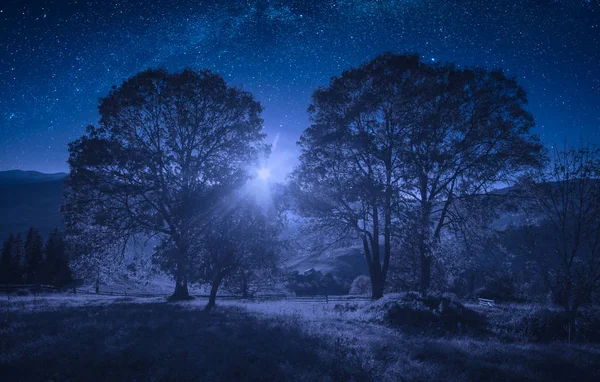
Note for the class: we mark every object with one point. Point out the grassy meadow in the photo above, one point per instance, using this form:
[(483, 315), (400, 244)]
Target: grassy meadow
[(75, 338)]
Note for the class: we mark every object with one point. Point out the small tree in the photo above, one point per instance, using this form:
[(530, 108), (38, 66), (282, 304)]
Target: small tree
[(250, 280), (34, 256), (243, 242), (94, 255), (565, 250)]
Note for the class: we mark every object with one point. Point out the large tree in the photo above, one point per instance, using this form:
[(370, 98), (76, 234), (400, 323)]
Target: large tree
[(167, 148), (467, 133), (349, 171), (397, 139)]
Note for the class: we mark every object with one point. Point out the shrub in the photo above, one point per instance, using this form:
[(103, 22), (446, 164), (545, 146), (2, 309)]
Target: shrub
[(361, 285), (499, 286), (543, 325), (588, 325), (437, 314), (23, 292), (345, 308)]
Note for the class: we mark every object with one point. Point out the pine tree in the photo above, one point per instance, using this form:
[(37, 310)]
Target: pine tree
[(17, 275), (6, 260), (56, 262), (34, 252)]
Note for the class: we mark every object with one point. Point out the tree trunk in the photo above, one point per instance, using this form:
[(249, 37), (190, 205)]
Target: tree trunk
[(376, 288), (181, 291), (181, 287), (571, 329), (424, 248), (425, 274), (375, 274), (245, 288), (213, 294)]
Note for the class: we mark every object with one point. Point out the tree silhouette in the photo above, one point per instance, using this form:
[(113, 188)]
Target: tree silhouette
[(56, 262), (564, 244), (34, 256), (18, 261), (8, 264), (397, 139), (467, 132), (168, 148), (239, 245)]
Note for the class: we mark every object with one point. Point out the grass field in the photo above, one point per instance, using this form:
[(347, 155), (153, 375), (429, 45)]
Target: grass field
[(107, 338)]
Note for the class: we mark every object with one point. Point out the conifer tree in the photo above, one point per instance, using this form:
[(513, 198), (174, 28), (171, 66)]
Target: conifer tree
[(17, 275), (34, 256), (57, 262), (6, 260)]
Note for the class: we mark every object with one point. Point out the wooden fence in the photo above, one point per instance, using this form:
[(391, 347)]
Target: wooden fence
[(34, 289)]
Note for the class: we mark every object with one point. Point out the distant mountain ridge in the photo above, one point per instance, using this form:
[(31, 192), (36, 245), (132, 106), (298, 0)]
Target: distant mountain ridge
[(30, 198), (15, 177)]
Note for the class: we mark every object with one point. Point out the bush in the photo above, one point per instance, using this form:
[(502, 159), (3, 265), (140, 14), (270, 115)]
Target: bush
[(588, 325), (499, 286), (361, 285), (437, 314), (543, 325)]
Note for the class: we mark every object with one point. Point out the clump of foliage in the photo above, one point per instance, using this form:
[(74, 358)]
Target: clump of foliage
[(499, 286), (361, 285), (434, 314), (546, 325)]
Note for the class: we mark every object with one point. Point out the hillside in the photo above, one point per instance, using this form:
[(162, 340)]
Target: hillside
[(346, 263), (30, 198)]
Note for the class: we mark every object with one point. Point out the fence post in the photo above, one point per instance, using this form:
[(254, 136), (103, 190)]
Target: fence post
[(327, 299)]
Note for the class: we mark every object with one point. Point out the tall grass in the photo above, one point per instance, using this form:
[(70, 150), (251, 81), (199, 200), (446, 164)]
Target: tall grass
[(136, 339)]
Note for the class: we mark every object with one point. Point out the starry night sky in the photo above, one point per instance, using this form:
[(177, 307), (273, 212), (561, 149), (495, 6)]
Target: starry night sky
[(58, 57)]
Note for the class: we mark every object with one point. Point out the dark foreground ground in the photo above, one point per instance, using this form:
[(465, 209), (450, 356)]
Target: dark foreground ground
[(117, 339)]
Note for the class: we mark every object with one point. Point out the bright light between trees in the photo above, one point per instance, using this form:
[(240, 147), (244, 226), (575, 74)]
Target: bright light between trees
[(264, 174)]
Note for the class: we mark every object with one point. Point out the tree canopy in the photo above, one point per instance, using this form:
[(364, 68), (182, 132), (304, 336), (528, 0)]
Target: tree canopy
[(398, 138), (168, 147)]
